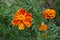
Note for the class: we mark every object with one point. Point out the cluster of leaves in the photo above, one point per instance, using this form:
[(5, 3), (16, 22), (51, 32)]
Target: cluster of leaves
[(8, 32)]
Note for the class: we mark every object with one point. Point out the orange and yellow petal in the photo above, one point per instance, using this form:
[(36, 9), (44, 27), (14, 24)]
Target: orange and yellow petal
[(15, 22), (15, 16), (28, 23), (53, 11), (21, 26)]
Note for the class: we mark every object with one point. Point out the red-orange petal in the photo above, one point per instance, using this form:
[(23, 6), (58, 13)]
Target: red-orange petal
[(21, 26), (15, 16), (15, 22), (21, 11), (28, 18), (27, 15)]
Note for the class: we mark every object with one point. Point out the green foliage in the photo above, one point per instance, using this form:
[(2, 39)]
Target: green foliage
[(8, 32)]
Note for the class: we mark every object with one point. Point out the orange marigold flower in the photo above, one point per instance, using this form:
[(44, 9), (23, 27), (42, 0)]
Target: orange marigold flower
[(42, 27), (21, 18), (49, 13)]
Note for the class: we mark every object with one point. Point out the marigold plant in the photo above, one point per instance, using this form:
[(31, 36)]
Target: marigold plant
[(21, 18), (49, 13)]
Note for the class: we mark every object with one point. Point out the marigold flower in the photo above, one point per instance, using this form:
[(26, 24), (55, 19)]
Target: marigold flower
[(49, 13), (42, 27), (21, 18)]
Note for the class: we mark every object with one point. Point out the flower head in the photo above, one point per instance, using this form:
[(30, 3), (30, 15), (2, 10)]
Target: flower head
[(49, 13), (42, 27), (21, 18)]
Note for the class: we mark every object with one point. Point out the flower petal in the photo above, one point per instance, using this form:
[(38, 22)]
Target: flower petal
[(28, 14), (28, 23), (21, 11), (21, 26), (15, 22), (16, 16), (28, 18)]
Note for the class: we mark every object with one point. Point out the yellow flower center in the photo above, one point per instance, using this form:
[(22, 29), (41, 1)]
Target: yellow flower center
[(21, 17)]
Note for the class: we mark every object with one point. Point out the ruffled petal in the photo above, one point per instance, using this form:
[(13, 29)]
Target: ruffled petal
[(28, 23), (15, 22), (21, 11), (28, 15), (28, 18), (21, 26), (16, 16)]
